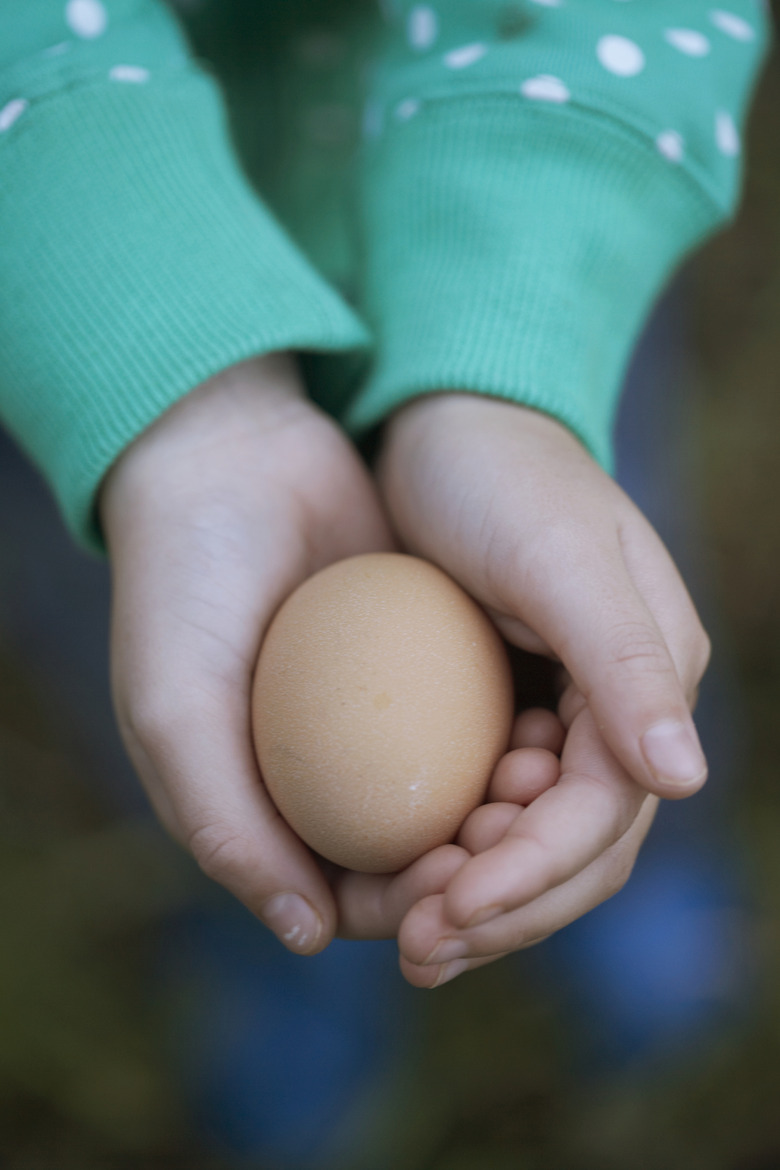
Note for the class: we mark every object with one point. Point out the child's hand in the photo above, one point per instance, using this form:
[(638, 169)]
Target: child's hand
[(551, 863), (413, 904), (212, 517), (508, 502), (375, 905)]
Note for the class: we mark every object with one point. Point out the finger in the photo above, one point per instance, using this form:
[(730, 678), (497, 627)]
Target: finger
[(538, 728), (530, 924), (486, 826), (658, 581), (523, 775), (599, 624), (429, 978), (372, 905), (420, 934), (571, 703), (591, 807)]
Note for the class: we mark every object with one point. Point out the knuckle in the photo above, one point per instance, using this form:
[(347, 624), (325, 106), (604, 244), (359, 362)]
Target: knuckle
[(698, 651), (571, 703), (221, 851), (147, 719), (160, 720), (635, 644)]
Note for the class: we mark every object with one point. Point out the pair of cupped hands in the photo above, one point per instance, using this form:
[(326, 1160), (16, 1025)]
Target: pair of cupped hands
[(241, 491)]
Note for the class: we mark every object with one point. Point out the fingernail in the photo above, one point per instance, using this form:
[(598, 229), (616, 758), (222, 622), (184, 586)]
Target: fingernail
[(448, 948), (673, 752), (449, 971), (293, 920)]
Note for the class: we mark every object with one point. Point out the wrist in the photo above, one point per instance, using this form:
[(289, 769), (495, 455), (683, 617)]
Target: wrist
[(471, 420), (204, 434)]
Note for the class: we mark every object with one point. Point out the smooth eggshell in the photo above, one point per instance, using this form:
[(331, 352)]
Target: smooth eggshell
[(381, 703)]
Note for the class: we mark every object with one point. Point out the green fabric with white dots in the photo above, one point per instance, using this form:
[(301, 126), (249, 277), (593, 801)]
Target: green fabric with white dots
[(466, 194)]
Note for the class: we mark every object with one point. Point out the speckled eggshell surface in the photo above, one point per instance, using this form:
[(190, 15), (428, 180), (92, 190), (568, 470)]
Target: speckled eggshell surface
[(381, 703)]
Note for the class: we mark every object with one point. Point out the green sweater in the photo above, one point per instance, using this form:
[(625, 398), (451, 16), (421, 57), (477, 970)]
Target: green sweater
[(466, 194)]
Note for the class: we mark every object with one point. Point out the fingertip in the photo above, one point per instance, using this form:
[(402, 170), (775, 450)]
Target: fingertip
[(433, 871), (676, 791), (298, 925), (537, 727), (423, 978), (675, 758), (447, 858), (570, 704), (422, 928), (486, 825), (524, 774)]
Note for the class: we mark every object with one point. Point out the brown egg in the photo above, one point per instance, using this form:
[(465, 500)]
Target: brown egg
[(381, 704)]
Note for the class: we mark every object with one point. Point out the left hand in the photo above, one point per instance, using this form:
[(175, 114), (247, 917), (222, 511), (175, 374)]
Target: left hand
[(374, 905), (412, 903), (509, 503), (535, 869)]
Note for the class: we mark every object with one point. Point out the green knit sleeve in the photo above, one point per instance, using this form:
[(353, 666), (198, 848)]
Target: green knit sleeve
[(533, 174), (136, 260)]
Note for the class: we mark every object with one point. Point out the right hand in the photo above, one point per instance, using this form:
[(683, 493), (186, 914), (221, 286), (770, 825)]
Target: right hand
[(212, 516), (509, 503)]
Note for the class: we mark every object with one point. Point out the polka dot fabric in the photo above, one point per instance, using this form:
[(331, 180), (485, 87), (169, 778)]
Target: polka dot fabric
[(671, 70), (561, 158), (137, 260), (63, 45), (500, 187)]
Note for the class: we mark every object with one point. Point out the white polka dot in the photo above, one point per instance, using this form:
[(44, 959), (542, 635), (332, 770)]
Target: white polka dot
[(671, 145), (132, 73), (57, 50), (620, 55), (87, 18), (731, 24), (549, 3), (465, 55), (545, 88), (726, 134), (11, 111), (688, 41), (407, 109), (422, 27)]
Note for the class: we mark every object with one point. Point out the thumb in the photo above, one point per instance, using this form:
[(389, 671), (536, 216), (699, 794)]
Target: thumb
[(635, 676)]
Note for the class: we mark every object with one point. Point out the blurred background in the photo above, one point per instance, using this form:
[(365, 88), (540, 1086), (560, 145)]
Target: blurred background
[(145, 1020)]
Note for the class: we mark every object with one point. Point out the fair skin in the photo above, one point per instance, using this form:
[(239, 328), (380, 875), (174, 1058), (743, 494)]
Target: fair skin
[(241, 491)]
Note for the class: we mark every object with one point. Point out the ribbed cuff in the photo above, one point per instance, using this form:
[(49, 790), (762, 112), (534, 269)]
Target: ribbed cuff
[(139, 263), (516, 252)]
